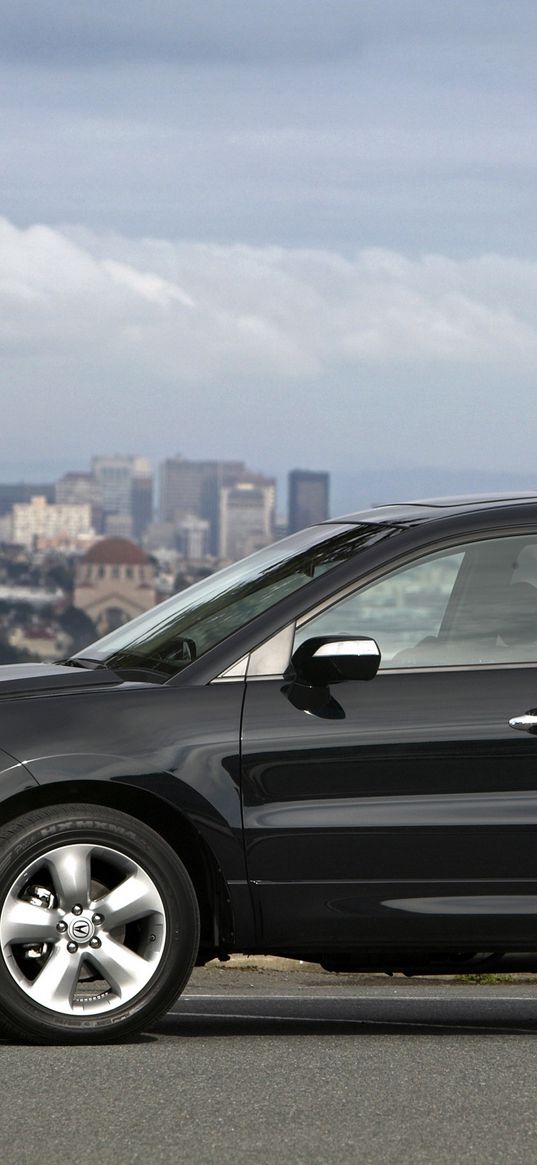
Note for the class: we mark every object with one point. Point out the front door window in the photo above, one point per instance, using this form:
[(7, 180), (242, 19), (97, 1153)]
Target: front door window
[(474, 604)]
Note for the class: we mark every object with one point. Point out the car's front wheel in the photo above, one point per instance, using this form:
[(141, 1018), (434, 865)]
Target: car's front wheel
[(99, 925)]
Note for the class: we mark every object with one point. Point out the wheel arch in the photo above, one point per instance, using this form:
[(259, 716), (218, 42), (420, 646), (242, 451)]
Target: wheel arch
[(216, 916)]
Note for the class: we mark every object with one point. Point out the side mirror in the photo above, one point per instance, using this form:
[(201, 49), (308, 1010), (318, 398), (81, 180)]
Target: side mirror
[(324, 660)]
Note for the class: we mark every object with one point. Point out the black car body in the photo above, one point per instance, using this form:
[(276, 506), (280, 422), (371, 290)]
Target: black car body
[(383, 823)]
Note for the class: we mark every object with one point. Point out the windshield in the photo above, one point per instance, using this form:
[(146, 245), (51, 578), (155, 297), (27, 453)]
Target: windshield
[(167, 638)]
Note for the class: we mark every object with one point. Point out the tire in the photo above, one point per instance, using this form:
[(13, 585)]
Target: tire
[(99, 925)]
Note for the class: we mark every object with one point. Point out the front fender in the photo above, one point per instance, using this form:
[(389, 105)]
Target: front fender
[(219, 826), (14, 777)]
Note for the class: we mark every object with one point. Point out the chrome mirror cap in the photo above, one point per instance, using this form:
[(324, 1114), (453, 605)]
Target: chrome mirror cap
[(323, 660)]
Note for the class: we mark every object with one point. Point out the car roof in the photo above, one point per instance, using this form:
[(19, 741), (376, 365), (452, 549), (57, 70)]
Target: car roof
[(428, 509)]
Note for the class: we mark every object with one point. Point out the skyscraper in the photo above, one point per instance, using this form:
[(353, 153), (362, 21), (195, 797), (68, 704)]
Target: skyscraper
[(76, 488), (246, 516), (193, 487), (308, 498), (141, 497), (126, 487)]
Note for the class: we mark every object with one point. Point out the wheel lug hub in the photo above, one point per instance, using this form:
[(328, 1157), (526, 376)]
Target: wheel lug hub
[(62, 927), (95, 943), (80, 928), (77, 909), (72, 948), (98, 919)]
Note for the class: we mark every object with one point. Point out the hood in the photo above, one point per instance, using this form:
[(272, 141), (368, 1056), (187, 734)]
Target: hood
[(21, 679)]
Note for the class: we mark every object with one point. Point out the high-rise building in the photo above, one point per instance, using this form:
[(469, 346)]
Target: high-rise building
[(193, 538), (126, 487), (114, 478), (308, 498), (81, 489), (193, 487), (76, 489), (246, 516), (141, 497)]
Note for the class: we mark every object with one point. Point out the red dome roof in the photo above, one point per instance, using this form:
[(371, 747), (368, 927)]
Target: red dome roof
[(117, 552)]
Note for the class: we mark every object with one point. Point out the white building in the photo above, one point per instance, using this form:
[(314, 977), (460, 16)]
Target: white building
[(193, 538), (40, 524), (246, 517)]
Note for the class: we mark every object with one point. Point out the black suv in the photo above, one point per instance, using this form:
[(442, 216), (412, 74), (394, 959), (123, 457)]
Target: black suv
[(325, 751)]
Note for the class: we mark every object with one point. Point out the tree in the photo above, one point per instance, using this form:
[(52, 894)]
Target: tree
[(78, 626)]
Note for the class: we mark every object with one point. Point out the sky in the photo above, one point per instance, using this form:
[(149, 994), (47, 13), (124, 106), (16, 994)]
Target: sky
[(297, 232)]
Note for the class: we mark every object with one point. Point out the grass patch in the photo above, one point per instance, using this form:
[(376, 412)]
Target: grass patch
[(485, 978)]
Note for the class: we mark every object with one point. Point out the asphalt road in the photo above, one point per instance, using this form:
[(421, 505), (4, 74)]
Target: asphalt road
[(252, 1068)]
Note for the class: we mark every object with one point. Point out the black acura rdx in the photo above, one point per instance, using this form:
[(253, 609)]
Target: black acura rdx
[(325, 751)]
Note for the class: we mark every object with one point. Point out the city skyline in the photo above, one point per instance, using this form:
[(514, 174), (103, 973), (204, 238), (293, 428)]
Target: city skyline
[(349, 491), (204, 509)]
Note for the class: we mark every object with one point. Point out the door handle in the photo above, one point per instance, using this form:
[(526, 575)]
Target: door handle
[(525, 723)]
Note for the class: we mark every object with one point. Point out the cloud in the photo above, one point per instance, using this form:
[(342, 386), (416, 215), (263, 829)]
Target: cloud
[(133, 30), (200, 313), (60, 32), (280, 355), (408, 125)]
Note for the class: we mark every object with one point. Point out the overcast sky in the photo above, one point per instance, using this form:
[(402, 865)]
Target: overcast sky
[(300, 232)]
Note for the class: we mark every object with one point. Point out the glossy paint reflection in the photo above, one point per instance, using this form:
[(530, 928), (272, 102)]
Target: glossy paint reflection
[(422, 782)]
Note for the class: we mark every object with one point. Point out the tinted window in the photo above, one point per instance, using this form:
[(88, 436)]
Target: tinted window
[(473, 604)]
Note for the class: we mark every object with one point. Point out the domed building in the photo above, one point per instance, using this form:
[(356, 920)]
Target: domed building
[(114, 581)]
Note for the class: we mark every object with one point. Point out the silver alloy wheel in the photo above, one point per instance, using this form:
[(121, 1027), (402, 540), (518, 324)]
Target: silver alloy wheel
[(82, 929)]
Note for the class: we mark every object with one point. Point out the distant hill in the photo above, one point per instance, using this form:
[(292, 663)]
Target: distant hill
[(355, 491)]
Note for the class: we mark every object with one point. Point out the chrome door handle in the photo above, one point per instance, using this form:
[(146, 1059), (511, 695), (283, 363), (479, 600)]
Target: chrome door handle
[(525, 723)]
